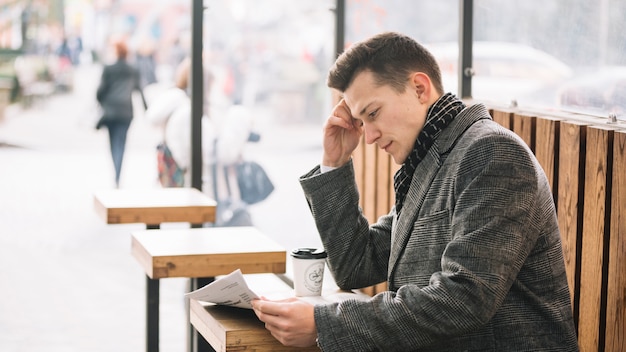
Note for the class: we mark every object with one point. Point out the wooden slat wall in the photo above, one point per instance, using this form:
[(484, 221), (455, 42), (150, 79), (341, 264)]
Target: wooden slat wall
[(570, 175), (524, 126), (370, 178), (502, 117), (592, 280), (384, 179), (547, 134), (585, 162), (616, 295), (358, 159)]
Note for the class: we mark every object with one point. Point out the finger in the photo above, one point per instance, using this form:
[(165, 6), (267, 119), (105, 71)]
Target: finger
[(336, 121), (274, 331), (356, 123), (267, 307), (271, 321), (342, 110)]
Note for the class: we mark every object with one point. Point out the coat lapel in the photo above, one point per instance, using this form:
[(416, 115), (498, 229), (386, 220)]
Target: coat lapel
[(420, 184), (422, 179)]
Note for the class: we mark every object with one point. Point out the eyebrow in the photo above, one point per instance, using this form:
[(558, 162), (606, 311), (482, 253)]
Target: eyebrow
[(365, 108)]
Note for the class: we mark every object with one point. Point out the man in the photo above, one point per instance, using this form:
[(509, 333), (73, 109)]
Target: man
[(115, 91), (471, 251)]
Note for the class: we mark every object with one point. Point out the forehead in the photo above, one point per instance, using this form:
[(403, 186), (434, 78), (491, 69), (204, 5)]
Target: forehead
[(365, 91)]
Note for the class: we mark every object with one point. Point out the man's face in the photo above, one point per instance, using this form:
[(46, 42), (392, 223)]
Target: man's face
[(390, 119)]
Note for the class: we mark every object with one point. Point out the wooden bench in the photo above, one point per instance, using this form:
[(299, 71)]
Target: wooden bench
[(202, 253), (584, 158), (154, 207)]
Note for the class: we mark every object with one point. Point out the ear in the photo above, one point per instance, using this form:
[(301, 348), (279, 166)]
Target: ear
[(422, 85)]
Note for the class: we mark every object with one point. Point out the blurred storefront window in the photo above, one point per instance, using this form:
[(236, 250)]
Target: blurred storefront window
[(586, 36), (562, 54), (272, 54)]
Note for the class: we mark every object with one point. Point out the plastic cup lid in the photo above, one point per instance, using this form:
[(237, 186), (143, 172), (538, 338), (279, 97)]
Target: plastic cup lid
[(308, 253)]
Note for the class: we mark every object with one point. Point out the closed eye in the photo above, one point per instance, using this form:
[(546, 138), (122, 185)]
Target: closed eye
[(372, 115)]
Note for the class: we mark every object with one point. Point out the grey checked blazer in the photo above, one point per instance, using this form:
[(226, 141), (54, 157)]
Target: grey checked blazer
[(473, 263)]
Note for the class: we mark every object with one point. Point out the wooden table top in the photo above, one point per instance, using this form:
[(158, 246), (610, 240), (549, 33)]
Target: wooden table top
[(154, 206), (206, 252), (238, 329)]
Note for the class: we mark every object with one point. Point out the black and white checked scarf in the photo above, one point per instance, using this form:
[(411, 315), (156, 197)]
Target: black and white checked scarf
[(438, 117)]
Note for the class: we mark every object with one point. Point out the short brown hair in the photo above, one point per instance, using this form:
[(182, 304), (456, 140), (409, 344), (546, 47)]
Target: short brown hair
[(121, 49), (390, 56)]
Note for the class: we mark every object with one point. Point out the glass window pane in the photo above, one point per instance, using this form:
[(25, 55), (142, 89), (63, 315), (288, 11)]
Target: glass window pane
[(424, 20), (271, 57), (560, 54)]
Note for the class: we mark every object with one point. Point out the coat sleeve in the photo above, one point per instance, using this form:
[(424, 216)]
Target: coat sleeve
[(333, 199)]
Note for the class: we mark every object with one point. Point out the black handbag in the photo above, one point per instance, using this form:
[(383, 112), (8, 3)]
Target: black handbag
[(254, 184)]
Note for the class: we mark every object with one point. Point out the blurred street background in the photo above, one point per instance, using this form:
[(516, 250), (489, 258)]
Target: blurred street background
[(68, 281)]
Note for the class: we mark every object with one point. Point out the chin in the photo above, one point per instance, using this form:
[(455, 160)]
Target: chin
[(398, 161)]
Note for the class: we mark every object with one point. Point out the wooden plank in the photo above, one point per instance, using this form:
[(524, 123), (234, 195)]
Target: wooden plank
[(392, 172), (206, 252), (385, 208), (384, 179), (547, 151), (616, 290), (569, 210), (503, 117), (524, 126), (370, 183), (371, 186), (595, 232), (358, 160), (155, 206), (236, 329)]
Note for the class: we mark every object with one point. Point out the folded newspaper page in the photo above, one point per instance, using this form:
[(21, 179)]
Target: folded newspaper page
[(229, 290), (232, 290)]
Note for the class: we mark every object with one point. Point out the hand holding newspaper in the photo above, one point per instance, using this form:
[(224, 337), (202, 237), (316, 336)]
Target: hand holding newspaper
[(229, 290)]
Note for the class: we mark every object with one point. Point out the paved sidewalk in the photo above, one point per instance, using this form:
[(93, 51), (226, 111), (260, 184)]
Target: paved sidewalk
[(68, 281)]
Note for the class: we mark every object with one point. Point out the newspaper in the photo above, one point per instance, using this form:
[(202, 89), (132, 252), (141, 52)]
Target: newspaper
[(232, 290), (229, 290)]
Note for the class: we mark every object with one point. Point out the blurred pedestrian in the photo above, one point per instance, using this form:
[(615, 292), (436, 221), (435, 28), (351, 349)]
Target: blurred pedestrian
[(146, 63), (64, 53), (225, 132), (169, 109), (118, 82)]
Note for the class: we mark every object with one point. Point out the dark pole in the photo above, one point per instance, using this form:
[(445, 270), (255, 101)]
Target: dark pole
[(197, 93), (466, 10), (195, 342), (340, 27)]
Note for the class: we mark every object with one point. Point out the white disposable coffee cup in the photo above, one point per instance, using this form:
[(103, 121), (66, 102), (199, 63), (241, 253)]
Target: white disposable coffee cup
[(308, 271)]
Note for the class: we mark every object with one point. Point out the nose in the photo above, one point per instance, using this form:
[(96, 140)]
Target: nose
[(371, 133)]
